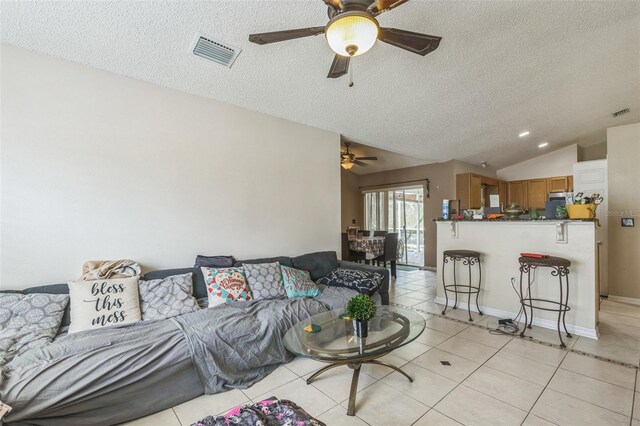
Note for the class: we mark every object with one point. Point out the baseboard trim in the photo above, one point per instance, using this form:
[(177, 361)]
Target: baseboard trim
[(591, 333), (620, 299)]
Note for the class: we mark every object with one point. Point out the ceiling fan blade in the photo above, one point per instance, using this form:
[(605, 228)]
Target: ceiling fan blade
[(276, 36), (339, 67), (380, 6), (407, 40), (359, 163), (367, 158)]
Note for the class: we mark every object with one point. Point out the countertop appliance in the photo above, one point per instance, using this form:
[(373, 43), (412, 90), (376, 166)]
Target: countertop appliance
[(555, 199), (559, 196)]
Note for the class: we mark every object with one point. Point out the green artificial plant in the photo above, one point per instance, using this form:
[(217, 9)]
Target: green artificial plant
[(361, 308)]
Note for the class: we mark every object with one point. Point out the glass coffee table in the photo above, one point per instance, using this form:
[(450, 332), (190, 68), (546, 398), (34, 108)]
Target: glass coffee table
[(337, 344)]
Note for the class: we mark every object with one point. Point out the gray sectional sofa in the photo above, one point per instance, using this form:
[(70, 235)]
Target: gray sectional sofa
[(119, 373)]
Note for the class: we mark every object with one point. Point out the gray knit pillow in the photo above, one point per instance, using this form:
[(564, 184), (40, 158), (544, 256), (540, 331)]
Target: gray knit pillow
[(28, 321), (167, 297), (265, 280)]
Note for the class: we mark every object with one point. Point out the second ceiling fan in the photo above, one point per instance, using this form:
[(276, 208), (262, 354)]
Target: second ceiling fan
[(348, 159), (353, 29)]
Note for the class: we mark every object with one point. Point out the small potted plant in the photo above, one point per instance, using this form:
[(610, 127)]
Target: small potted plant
[(361, 309)]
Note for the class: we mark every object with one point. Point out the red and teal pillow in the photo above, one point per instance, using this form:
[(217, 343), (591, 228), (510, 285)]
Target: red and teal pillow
[(226, 285), (298, 283)]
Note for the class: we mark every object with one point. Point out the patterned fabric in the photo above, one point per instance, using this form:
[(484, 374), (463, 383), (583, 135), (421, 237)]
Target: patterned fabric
[(298, 283), (28, 321), (103, 303), (269, 412), (362, 281), (168, 297), (371, 246), (226, 285), (265, 280)]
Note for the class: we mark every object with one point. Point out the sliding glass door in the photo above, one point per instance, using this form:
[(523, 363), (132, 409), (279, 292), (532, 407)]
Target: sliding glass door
[(399, 210)]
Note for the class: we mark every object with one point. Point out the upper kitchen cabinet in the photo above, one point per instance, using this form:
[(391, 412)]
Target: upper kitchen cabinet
[(503, 192), (469, 190), (517, 191), (560, 184), (537, 193)]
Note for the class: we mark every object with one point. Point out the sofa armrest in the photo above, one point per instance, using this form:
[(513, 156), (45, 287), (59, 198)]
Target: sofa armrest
[(384, 288)]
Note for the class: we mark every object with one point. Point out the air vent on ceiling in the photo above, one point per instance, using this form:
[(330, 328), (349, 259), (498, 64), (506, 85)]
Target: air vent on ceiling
[(214, 50), (621, 112)]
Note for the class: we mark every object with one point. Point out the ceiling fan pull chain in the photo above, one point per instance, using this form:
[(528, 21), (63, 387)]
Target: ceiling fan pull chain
[(351, 72)]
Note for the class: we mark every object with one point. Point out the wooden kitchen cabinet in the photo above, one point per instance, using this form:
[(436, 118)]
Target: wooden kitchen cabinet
[(537, 193), (469, 190), (503, 193), (559, 184), (517, 193)]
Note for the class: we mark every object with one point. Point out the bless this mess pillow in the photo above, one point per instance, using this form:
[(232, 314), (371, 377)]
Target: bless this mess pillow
[(103, 303)]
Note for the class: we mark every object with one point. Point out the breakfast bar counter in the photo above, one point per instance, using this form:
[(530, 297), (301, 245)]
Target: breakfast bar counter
[(500, 244)]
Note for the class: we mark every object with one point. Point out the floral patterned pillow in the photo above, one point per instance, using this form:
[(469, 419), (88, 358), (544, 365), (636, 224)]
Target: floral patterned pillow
[(226, 285), (298, 283)]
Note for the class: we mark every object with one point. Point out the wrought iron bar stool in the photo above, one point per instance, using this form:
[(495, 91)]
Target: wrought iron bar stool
[(468, 258), (559, 268)]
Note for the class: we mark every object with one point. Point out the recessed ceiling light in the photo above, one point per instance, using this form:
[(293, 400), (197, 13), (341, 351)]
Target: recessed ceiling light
[(525, 133), (543, 144)]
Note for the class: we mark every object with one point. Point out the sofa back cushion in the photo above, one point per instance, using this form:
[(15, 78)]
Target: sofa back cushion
[(28, 321), (167, 297), (53, 289), (318, 264), (265, 280), (199, 286), (282, 260)]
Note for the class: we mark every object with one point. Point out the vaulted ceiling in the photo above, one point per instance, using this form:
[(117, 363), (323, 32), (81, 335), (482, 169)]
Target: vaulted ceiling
[(555, 68)]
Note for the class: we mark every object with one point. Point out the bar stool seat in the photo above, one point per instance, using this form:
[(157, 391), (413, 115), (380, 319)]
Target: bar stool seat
[(560, 269), (468, 258)]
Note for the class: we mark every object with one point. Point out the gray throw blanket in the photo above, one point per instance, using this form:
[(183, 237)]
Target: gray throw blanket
[(116, 374)]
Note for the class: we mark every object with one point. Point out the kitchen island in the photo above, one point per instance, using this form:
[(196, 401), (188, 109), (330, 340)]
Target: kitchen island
[(500, 243)]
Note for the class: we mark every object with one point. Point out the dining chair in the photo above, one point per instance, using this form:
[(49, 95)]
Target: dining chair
[(379, 233), (351, 255), (390, 253), (345, 247)]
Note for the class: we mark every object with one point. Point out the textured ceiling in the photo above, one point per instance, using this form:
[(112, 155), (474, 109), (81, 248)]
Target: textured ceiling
[(556, 68), (387, 160)]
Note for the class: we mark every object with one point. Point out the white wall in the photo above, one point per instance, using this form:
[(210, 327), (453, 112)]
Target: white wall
[(555, 163), (100, 166)]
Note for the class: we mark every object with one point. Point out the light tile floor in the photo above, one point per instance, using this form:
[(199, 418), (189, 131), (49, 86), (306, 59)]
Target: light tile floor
[(492, 379)]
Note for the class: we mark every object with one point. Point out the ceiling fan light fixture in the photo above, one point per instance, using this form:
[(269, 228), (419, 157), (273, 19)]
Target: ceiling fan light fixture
[(352, 33), (347, 165)]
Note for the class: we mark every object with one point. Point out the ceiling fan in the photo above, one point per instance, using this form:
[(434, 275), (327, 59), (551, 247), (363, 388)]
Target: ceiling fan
[(353, 29), (348, 159)]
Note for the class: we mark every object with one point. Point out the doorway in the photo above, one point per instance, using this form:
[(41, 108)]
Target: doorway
[(399, 210)]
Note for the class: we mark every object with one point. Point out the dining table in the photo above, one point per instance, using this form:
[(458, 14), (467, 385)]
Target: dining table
[(372, 247)]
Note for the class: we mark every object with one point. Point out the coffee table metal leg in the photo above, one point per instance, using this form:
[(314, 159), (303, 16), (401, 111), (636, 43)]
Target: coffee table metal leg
[(393, 367), (351, 410), (322, 370)]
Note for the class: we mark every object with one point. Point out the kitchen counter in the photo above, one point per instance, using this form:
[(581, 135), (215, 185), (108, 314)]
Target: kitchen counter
[(501, 241), (593, 220)]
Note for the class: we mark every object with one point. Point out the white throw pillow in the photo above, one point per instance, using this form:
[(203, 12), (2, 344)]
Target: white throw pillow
[(103, 303)]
